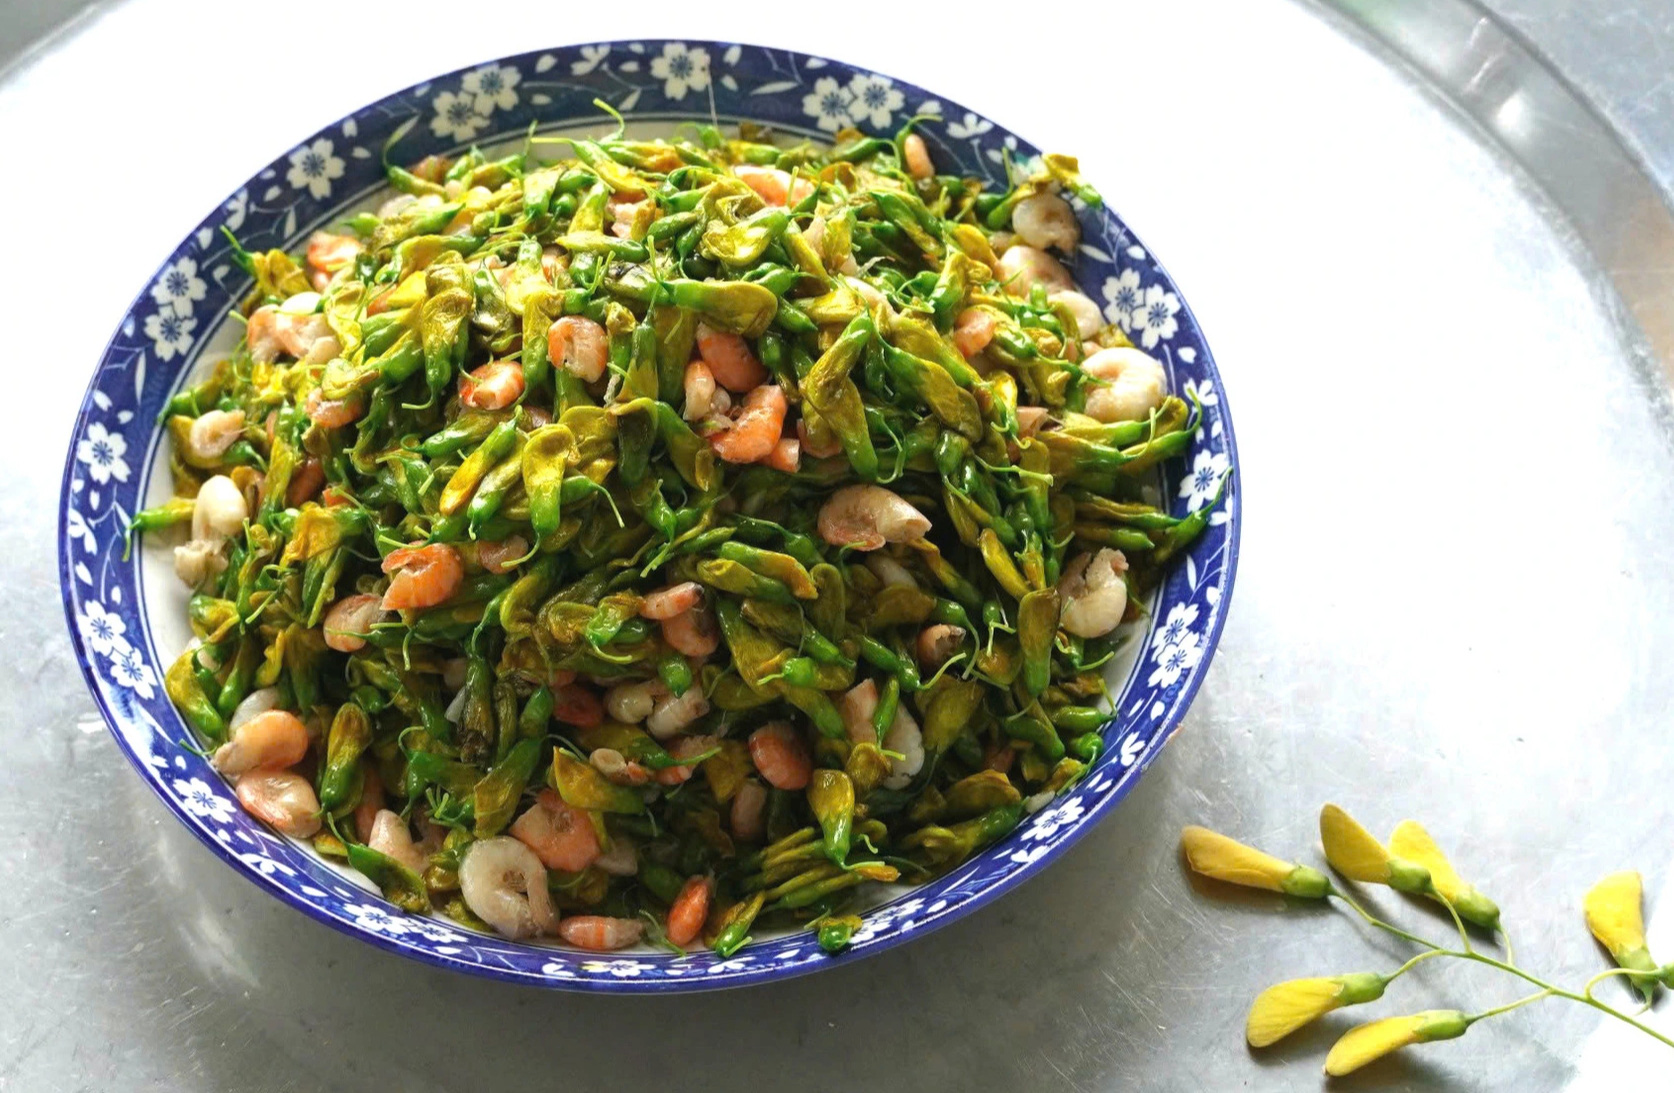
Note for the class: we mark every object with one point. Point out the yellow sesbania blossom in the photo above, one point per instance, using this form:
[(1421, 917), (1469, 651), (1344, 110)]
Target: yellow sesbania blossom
[(1370, 1042), (1615, 918), (1215, 855), (1411, 842), (1280, 1010), (1356, 853)]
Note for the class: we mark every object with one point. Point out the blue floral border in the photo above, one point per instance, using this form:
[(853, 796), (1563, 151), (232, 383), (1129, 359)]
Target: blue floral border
[(161, 337)]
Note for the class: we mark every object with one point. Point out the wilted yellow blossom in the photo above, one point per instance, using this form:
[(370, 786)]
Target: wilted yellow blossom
[(1370, 1042), (1215, 855), (1356, 853), (1280, 1010), (1411, 842), (1615, 918)]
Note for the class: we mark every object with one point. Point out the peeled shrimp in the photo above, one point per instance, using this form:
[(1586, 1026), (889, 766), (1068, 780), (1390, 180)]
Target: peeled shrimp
[(749, 811), (1094, 593), (702, 398), (305, 482), (574, 704), (269, 741), (866, 517), (328, 253), (256, 702), (857, 705), (497, 557), (729, 359), (692, 633), (1088, 317), (219, 510), (686, 747), (624, 772), (305, 335), (371, 799), (349, 619), (392, 838), (1135, 384), (786, 455), (504, 884), (973, 330), (813, 450), (756, 430), (1046, 220), (936, 643), (494, 386), (423, 576), (213, 433), (665, 603), (561, 835), (1030, 419), (600, 934), (283, 800), (197, 561), (674, 712), (580, 346), (1023, 267), (772, 185), (916, 157), (631, 703), (781, 756), (621, 860), (890, 571)]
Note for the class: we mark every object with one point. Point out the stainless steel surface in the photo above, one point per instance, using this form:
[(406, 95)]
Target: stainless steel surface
[(1441, 320)]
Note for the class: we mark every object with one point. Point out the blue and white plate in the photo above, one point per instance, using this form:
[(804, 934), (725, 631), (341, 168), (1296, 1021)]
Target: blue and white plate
[(127, 616)]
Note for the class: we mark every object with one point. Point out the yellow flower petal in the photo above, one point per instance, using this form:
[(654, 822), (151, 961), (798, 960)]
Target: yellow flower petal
[(1411, 842), (1214, 855), (1356, 853), (1370, 1042), (1615, 918), (1280, 1010)]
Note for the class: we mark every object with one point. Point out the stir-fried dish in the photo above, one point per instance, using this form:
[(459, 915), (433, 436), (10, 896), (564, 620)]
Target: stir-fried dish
[(656, 541)]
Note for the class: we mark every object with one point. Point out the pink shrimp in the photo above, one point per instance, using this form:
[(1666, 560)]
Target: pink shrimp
[(423, 576), (537, 415), (916, 157), (349, 618), (702, 397), (561, 835), (621, 210), (786, 455), (686, 747), (756, 430), (597, 933), (1030, 419), (328, 253), (392, 838), (749, 810), (781, 756), (332, 413), (282, 799), (690, 910), (269, 741), (305, 482), (499, 557), (936, 643), (213, 432), (772, 185), (675, 599), (371, 799), (272, 331), (574, 704), (692, 633), (813, 449), (494, 386), (578, 345), (619, 769), (552, 261), (973, 330), (729, 359)]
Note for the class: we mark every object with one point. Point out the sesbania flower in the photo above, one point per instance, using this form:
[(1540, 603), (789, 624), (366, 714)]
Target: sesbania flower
[(1412, 843), (1214, 855), (1370, 1042), (1356, 853), (1280, 1010), (1615, 918)]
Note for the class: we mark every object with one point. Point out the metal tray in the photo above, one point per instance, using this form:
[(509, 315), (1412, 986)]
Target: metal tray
[(1438, 285)]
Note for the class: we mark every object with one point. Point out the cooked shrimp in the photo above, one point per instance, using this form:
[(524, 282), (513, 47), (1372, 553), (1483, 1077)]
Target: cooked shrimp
[(269, 741), (197, 561), (631, 703), (685, 747), (256, 702), (574, 704), (772, 185), (281, 799), (700, 392), (729, 359), (692, 633), (890, 571), (689, 911), (494, 386), (1094, 593), (1030, 419), (284, 328), (578, 345), (906, 741), (786, 455), (613, 765), (973, 330), (305, 482), (213, 433), (756, 430), (392, 838), (219, 510), (350, 620), (621, 860), (371, 799), (1135, 384), (1088, 317), (423, 576), (498, 557), (866, 517), (328, 253), (748, 815), (916, 157), (671, 600), (936, 643), (561, 835), (856, 706), (781, 756), (504, 884), (1046, 220), (597, 933), (621, 210), (674, 712), (1024, 267), (454, 670), (332, 413), (813, 450)]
